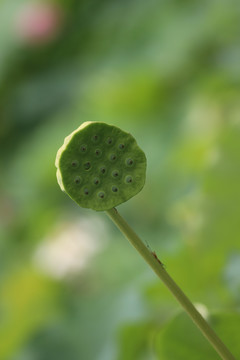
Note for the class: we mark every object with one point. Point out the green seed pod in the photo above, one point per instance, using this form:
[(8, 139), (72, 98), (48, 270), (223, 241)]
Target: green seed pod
[(100, 166)]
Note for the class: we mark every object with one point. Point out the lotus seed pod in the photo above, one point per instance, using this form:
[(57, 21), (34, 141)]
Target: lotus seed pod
[(100, 166)]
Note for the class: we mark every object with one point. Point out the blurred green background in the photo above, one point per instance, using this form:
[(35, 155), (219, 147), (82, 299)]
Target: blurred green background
[(71, 287)]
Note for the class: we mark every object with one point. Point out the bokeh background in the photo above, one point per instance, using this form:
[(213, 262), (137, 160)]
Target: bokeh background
[(71, 287)]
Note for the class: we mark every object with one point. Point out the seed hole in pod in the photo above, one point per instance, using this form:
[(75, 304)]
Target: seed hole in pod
[(96, 181), (128, 179), (86, 191), (121, 146), (115, 173), (83, 148), (74, 163), (77, 180), (98, 152), (101, 195), (129, 162), (114, 189), (95, 138), (113, 157), (87, 165), (103, 170), (109, 141)]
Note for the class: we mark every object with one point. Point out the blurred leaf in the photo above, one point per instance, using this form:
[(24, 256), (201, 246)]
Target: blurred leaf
[(181, 339), (231, 274), (27, 301), (135, 342)]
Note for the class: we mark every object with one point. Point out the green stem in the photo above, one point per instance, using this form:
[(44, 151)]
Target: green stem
[(159, 269)]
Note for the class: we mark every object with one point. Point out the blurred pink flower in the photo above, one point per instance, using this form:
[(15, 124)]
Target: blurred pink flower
[(38, 23)]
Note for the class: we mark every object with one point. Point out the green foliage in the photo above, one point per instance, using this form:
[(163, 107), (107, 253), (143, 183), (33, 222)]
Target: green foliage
[(181, 340), (135, 342), (24, 292)]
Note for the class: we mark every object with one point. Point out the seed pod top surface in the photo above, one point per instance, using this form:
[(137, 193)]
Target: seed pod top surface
[(100, 166)]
